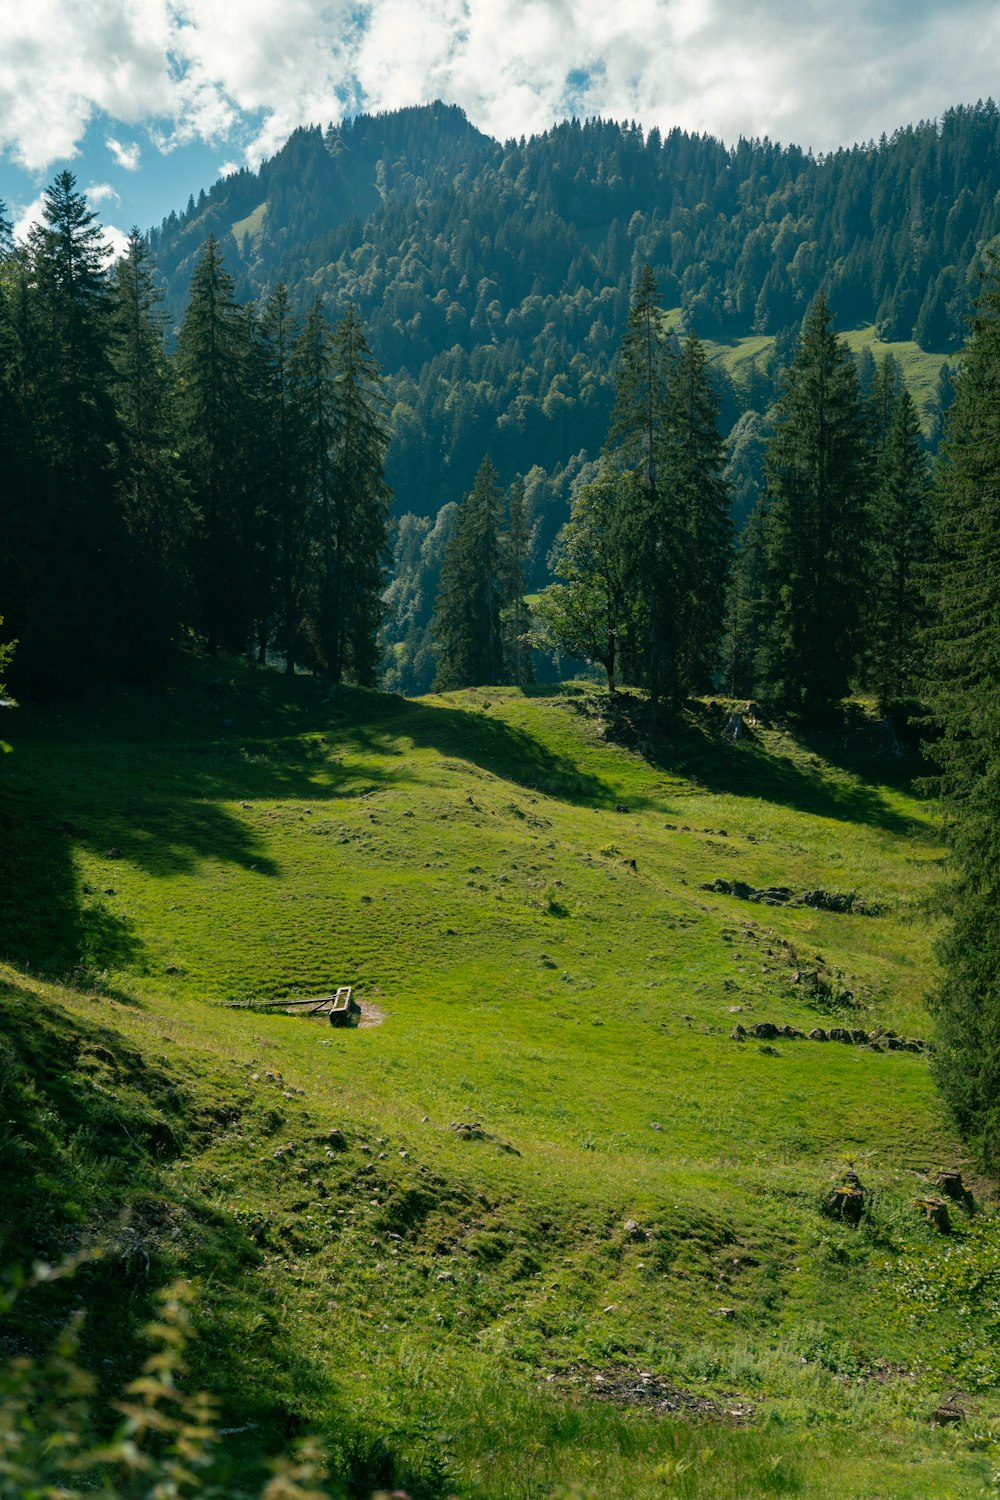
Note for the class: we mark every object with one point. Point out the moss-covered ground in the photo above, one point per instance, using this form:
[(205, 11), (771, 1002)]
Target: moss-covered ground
[(621, 1282)]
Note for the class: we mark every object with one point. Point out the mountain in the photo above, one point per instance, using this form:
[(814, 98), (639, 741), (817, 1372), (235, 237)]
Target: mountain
[(494, 279)]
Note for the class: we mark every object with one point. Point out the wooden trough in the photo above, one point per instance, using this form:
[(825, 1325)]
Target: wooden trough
[(340, 1006)]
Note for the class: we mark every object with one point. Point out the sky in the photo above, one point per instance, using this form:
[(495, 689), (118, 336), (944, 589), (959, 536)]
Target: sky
[(147, 101)]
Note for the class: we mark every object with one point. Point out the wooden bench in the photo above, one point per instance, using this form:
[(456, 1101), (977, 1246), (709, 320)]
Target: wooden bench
[(340, 1006)]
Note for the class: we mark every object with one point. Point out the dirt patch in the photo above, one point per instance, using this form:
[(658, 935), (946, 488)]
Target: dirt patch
[(641, 1388), (371, 1015)]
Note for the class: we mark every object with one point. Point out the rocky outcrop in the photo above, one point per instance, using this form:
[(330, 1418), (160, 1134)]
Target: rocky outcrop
[(783, 895)]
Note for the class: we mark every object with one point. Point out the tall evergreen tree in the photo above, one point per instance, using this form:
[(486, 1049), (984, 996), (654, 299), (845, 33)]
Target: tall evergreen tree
[(901, 542), (637, 441), (815, 471), (635, 432), (17, 523), (964, 685), (213, 396), (283, 538), (467, 627), (744, 627), (515, 616), (879, 404), (74, 545), (699, 499), (355, 529), (316, 399), (153, 494)]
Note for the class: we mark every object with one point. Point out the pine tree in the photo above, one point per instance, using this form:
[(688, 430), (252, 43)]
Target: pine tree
[(17, 430), (153, 494), (944, 395), (699, 499), (283, 537), (880, 402), (636, 441), (664, 429), (75, 543), (316, 399), (213, 396), (900, 531), (515, 616), (964, 686), (816, 476), (634, 435), (467, 625), (744, 627), (361, 523)]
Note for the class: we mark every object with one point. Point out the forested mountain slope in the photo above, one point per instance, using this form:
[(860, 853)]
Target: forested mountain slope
[(494, 279)]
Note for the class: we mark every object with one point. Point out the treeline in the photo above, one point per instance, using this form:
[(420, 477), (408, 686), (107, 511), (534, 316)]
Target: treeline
[(827, 590), (494, 279), (234, 489)]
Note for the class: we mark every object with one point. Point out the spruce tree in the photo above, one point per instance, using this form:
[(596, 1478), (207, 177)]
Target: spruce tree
[(316, 401), (283, 532), (880, 400), (964, 687), (152, 490), (467, 626), (664, 428), (213, 396), (361, 524), (816, 477), (75, 544), (744, 627), (901, 544), (515, 548), (637, 441), (634, 435), (17, 432), (699, 500)]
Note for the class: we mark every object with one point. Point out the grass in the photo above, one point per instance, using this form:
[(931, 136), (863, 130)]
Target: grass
[(515, 880), (919, 367)]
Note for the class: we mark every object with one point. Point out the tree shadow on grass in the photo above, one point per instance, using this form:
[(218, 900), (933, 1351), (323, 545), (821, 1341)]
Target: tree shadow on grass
[(503, 749), (162, 781), (693, 745), (141, 788), (156, 779)]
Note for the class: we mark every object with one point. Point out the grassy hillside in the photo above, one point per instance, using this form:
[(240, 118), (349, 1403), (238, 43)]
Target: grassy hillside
[(617, 1279), (920, 369)]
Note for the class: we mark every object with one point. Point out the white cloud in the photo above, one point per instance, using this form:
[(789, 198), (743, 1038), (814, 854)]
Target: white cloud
[(117, 242), (27, 217), (126, 154), (803, 70), (101, 192), (228, 168)]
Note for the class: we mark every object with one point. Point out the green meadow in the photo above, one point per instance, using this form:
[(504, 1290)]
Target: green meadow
[(920, 368), (617, 1280)]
